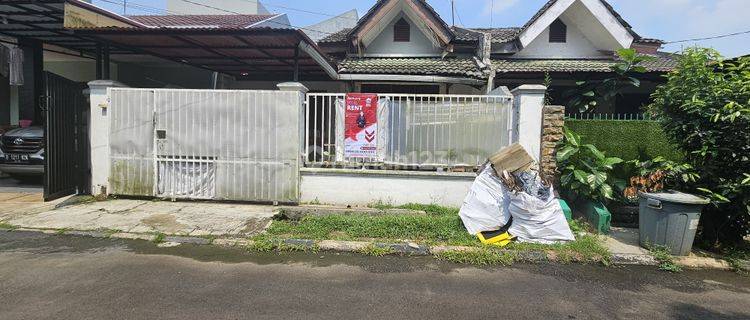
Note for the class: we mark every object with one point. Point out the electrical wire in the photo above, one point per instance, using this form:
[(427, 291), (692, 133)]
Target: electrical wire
[(710, 38)]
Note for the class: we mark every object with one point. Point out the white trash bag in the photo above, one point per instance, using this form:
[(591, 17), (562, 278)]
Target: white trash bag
[(485, 207), (538, 220)]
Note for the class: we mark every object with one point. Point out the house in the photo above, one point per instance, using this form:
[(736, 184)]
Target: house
[(398, 46), (405, 45)]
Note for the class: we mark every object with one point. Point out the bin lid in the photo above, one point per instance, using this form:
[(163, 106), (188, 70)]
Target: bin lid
[(676, 197)]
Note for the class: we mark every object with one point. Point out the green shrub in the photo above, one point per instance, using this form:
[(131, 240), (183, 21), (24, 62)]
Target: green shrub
[(585, 171), (705, 109), (628, 140)]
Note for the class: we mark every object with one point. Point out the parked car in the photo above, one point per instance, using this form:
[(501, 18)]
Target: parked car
[(22, 152)]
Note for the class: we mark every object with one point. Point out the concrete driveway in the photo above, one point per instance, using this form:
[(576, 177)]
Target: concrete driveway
[(141, 216), (62, 277)]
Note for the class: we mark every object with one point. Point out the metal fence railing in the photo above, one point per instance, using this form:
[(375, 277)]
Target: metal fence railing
[(610, 116), (415, 132)]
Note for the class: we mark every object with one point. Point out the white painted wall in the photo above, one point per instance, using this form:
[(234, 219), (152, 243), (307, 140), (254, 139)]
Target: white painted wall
[(363, 187), (577, 46), (384, 46), (99, 134)]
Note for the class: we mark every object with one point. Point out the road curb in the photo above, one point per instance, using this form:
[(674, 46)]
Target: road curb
[(404, 248)]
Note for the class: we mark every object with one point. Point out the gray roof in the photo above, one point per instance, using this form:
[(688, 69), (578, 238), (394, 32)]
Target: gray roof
[(663, 62), (463, 67), (336, 37), (499, 35)]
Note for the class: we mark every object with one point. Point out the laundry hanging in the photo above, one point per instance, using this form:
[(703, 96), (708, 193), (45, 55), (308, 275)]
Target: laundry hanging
[(15, 63)]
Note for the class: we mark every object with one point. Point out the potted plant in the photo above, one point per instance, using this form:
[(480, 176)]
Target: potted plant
[(586, 178)]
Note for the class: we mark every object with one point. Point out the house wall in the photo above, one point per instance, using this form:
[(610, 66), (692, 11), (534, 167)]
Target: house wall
[(384, 46), (577, 46)]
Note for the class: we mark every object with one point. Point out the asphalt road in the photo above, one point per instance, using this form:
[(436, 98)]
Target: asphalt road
[(62, 277)]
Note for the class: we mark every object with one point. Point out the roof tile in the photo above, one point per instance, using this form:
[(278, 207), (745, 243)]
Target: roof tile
[(413, 66), (663, 62), (201, 21)]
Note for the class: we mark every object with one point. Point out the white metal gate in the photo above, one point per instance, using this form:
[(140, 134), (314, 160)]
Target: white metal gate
[(205, 144)]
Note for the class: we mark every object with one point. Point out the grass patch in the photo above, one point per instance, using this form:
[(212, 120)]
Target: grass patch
[(432, 228), (479, 257), (665, 259), (375, 251), (441, 226), (264, 243), (4, 225), (586, 248)]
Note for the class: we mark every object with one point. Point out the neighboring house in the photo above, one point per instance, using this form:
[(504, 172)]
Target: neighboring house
[(404, 45), (398, 46), (320, 30)]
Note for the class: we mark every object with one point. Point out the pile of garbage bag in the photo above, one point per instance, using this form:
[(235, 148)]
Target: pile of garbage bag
[(509, 201)]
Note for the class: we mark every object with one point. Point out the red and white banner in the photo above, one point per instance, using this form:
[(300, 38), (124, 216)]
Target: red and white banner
[(361, 125)]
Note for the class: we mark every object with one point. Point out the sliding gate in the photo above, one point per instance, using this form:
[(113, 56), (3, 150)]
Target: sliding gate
[(205, 144)]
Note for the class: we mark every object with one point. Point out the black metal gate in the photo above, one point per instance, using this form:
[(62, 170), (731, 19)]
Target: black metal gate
[(66, 152)]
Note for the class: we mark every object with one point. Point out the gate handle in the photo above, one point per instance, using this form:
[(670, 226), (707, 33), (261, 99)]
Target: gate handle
[(654, 204)]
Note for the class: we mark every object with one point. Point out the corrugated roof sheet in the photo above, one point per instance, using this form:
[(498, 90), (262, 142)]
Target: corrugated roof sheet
[(235, 21), (663, 62), (466, 67)]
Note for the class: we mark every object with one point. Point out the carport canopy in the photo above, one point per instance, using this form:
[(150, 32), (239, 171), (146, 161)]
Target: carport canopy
[(250, 53)]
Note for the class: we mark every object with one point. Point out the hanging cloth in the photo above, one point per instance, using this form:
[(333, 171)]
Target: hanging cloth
[(15, 62)]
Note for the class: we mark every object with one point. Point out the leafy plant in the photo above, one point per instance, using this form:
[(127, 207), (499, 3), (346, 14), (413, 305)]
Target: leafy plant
[(657, 175), (589, 94), (704, 108), (586, 171)]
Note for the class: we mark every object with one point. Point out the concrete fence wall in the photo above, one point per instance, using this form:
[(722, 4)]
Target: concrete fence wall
[(357, 187)]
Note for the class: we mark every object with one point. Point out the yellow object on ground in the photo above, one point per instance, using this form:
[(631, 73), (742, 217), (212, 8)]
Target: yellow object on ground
[(495, 238)]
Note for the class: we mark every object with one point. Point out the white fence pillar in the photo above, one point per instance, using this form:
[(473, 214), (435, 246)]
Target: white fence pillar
[(99, 134), (302, 91), (528, 105)]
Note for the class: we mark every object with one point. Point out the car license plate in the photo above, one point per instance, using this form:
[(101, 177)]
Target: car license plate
[(17, 157)]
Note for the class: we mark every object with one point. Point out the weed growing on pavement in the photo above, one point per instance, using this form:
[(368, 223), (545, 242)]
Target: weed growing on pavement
[(665, 259), (375, 251), (158, 238), (478, 257)]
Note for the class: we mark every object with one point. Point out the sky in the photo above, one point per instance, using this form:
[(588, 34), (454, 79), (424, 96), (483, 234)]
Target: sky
[(669, 20)]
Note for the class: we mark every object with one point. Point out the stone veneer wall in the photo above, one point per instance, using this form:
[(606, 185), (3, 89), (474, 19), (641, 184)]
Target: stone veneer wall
[(552, 134)]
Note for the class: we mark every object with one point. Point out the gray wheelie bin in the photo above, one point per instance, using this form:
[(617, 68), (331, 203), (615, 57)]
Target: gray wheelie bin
[(670, 219)]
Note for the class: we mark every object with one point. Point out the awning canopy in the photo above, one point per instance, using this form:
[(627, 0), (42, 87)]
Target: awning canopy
[(250, 52)]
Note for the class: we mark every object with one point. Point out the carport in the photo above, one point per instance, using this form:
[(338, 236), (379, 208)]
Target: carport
[(76, 28)]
